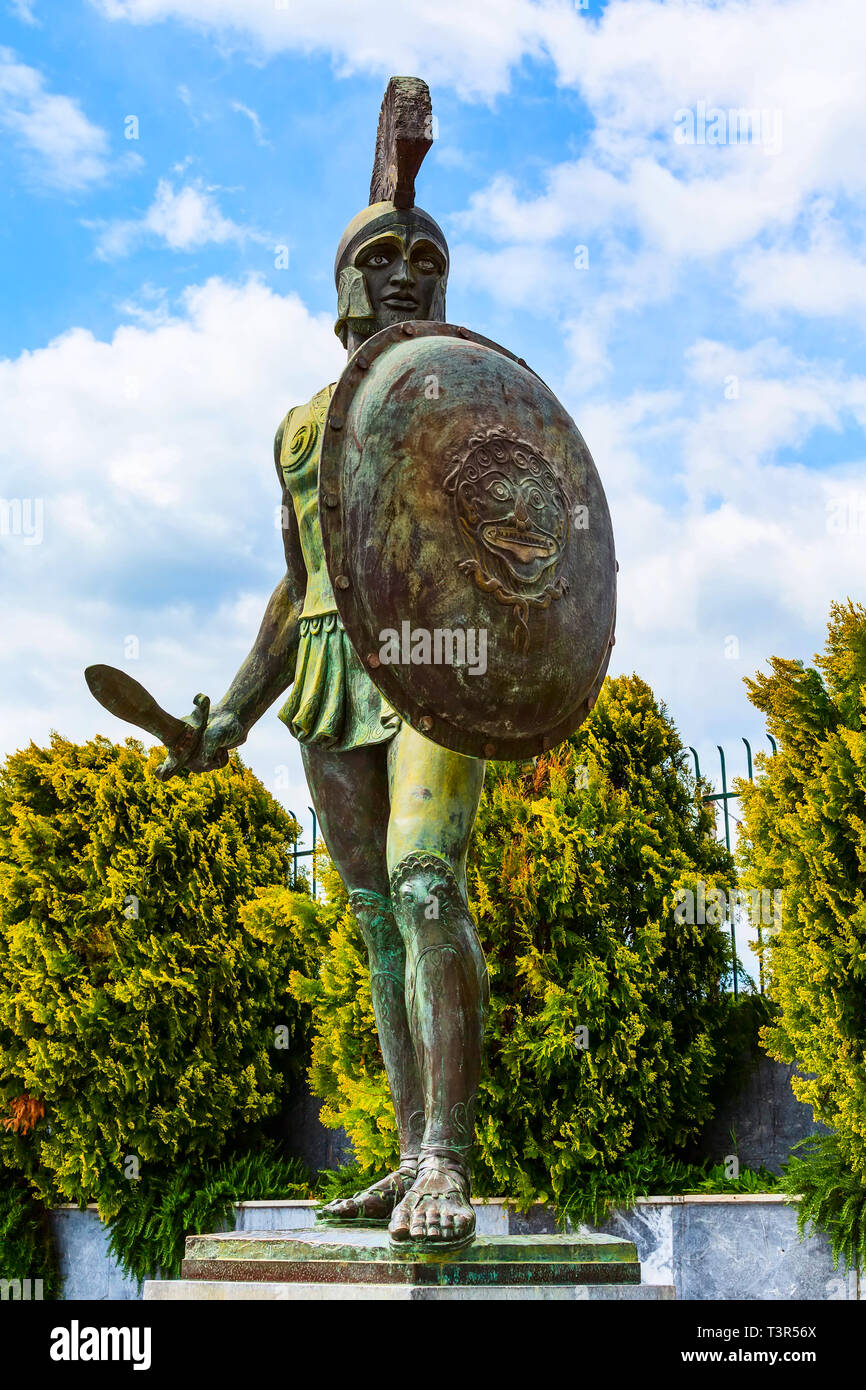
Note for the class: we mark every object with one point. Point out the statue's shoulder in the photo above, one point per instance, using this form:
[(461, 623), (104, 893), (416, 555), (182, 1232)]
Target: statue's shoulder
[(304, 419)]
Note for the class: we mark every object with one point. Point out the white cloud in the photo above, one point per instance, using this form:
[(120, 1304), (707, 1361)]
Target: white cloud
[(253, 118), (528, 278), (473, 47), (188, 218), (130, 423), (636, 65), (716, 538), (824, 277), (23, 10), (770, 222), (152, 455), (67, 150), (776, 401), (184, 220)]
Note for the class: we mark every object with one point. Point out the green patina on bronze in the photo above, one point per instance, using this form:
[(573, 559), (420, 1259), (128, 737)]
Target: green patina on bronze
[(358, 1256), (397, 808), (352, 1244)]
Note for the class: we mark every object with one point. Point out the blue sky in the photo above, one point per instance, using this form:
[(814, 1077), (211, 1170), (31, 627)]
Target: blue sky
[(711, 350)]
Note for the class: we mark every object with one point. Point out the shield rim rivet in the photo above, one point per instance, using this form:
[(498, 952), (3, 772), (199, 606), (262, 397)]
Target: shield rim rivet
[(342, 581), (425, 723)]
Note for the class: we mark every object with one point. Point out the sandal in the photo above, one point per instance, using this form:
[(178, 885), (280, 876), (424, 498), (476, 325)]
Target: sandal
[(374, 1204)]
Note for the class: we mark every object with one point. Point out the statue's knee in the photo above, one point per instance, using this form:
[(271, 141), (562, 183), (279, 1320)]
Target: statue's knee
[(425, 894), (433, 916), (374, 914)]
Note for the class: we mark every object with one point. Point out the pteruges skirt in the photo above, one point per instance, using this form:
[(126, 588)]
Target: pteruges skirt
[(333, 702)]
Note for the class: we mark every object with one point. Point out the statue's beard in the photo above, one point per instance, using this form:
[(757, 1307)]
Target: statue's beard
[(387, 315), (432, 308), (363, 328)]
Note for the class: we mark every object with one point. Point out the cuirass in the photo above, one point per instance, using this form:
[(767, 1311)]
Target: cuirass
[(299, 464)]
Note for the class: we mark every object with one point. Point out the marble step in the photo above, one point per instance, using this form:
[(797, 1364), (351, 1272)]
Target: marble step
[(230, 1291)]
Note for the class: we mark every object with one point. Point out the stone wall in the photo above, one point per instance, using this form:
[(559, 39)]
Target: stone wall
[(765, 1117), (738, 1247), (305, 1137)]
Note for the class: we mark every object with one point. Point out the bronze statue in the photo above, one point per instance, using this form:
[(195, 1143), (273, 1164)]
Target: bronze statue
[(393, 751)]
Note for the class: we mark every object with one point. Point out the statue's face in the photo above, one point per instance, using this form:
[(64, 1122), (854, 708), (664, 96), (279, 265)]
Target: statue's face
[(402, 277)]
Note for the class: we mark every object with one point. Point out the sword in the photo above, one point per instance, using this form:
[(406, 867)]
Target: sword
[(126, 698)]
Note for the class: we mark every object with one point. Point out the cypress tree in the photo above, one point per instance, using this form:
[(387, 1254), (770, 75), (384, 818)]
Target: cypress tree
[(805, 834)]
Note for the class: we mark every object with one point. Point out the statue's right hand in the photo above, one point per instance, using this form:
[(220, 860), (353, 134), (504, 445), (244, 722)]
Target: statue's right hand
[(223, 731)]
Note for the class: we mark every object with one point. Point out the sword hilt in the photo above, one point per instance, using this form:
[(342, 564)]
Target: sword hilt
[(184, 750)]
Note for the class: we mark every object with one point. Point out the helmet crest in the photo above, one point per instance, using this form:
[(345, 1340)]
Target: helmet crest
[(404, 136)]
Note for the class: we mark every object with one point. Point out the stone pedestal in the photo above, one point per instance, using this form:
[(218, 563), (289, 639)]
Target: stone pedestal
[(354, 1263)]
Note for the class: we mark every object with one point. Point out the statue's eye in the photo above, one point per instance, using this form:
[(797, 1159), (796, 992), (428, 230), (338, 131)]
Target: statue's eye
[(425, 265), (500, 490), (378, 260)]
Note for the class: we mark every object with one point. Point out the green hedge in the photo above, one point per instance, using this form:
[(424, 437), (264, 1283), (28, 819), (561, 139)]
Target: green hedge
[(140, 1002)]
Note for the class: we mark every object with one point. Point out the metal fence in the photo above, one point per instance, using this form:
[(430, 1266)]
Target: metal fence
[(305, 853), (725, 797)]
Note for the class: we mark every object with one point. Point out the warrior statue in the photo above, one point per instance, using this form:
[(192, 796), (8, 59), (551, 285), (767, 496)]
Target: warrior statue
[(394, 756)]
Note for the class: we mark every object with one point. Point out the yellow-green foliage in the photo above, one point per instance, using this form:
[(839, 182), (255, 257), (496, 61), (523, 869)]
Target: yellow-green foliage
[(137, 1011), (805, 833), (573, 876)]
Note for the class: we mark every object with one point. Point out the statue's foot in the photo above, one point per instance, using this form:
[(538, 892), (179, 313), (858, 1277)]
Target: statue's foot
[(436, 1213), (372, 1206)]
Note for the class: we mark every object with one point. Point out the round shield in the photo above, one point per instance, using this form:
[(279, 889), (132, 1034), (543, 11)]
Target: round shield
[(468, 540)]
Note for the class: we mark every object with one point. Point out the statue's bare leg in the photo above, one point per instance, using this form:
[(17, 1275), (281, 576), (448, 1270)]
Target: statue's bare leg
[(434, 799), (350, 794)]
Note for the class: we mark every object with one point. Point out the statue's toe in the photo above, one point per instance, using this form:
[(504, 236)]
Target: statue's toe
[(418, 1223), (464, 1222), (433, 1220), (399, 1227), (342, 1207)]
